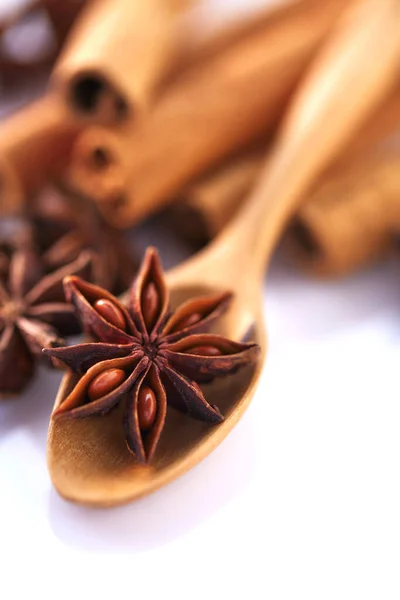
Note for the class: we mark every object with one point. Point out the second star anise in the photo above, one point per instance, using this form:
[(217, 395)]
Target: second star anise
[(146, 357), (64, 225), (33, 311)]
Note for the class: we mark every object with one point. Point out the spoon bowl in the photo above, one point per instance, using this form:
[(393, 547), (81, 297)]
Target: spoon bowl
[(81, 468)]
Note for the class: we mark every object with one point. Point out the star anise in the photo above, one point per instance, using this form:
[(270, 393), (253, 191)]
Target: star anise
[(33, 311), (64, 225), (146, 357)]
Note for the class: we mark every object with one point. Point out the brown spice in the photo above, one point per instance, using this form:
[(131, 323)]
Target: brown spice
[(110, 312), (209, 113), (150, 363), (350, 220), (147, 408), (121, 77), (64, 225), (35, 145), (205, 207), (205, 351), (33, 312), (187, 321), (150, 304), (105, 382)]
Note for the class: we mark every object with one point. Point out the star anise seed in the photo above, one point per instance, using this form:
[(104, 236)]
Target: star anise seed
[(110, 313), (147, 408), (156, 358)]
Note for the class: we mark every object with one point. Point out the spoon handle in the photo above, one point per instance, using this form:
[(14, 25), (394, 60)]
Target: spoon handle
[(352, 74)]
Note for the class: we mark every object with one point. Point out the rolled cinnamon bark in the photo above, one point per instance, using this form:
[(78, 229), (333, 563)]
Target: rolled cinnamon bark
[(350, 220), (35, 145), (117, 54), (211, 112), (207, 205), (11, 191)]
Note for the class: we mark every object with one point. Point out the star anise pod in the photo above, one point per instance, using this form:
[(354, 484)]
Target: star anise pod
[(146, 357), (64, 225), (33, 311)]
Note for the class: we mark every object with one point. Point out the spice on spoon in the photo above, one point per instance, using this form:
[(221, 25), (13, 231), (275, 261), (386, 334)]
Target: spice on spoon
[(145, 357)]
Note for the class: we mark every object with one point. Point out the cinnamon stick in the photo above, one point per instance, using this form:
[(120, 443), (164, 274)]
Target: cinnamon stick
[(207, 205), (34, 148), (117, 54), (350, 221), (211, 112), (11, 191), (203, 209)]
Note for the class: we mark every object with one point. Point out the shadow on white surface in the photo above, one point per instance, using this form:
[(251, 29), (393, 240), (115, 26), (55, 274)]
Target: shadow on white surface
[(166, 515), (31, 410), (315, 309)]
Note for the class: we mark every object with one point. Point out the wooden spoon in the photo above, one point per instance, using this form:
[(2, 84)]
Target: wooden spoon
[(88, 460)]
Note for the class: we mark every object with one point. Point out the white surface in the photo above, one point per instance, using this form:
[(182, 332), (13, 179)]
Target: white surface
[(301, 501)]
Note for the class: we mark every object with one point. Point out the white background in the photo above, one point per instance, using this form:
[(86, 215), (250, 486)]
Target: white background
[(301, 500)]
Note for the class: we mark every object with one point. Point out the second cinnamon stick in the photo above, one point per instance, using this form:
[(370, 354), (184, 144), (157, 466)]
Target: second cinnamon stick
[(35, 145), (350, 221), (207, 205)]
